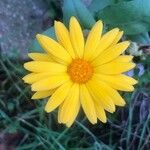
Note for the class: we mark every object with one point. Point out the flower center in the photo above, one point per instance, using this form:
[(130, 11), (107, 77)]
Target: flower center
[(80, 71)]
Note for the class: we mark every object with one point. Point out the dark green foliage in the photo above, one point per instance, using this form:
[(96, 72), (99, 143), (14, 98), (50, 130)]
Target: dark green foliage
[(78, 9), (133, 17), (97, 5)]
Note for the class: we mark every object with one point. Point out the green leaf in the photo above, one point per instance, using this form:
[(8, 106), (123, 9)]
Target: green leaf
[(78, 9), (35, 46), (97, 5), (131, 16), (142, 38), (13, 127)]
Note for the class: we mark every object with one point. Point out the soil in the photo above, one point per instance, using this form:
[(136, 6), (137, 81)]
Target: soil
[(19, 22)]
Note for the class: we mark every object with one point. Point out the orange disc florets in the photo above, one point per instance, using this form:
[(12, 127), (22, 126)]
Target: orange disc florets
[(80, 70)]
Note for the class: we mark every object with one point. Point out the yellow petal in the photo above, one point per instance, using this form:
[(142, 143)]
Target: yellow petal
[(40, 57), (117, 99), (42, 94), (114, 68), (111, 53), (49, 83), (68, 110), (59, 112), (100, 96), (113, 94), (101, 115), (54, 48), (106, 40), (76, 36), (118, 37), (58, 97), (87, 104), (74, 114), (123, 58), (93, 40), (118, 82), (63, 37), (34, 77), (129, 80), (41, 66)]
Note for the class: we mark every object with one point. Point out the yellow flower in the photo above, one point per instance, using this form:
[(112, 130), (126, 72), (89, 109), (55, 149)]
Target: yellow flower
[(77, 73)]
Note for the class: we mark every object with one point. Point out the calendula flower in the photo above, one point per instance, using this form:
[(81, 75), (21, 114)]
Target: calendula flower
[(75, 73)]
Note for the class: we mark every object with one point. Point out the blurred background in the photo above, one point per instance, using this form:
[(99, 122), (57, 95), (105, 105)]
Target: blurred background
[(23, 123)]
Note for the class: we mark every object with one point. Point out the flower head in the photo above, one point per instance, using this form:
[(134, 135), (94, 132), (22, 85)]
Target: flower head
[(76, 73)]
